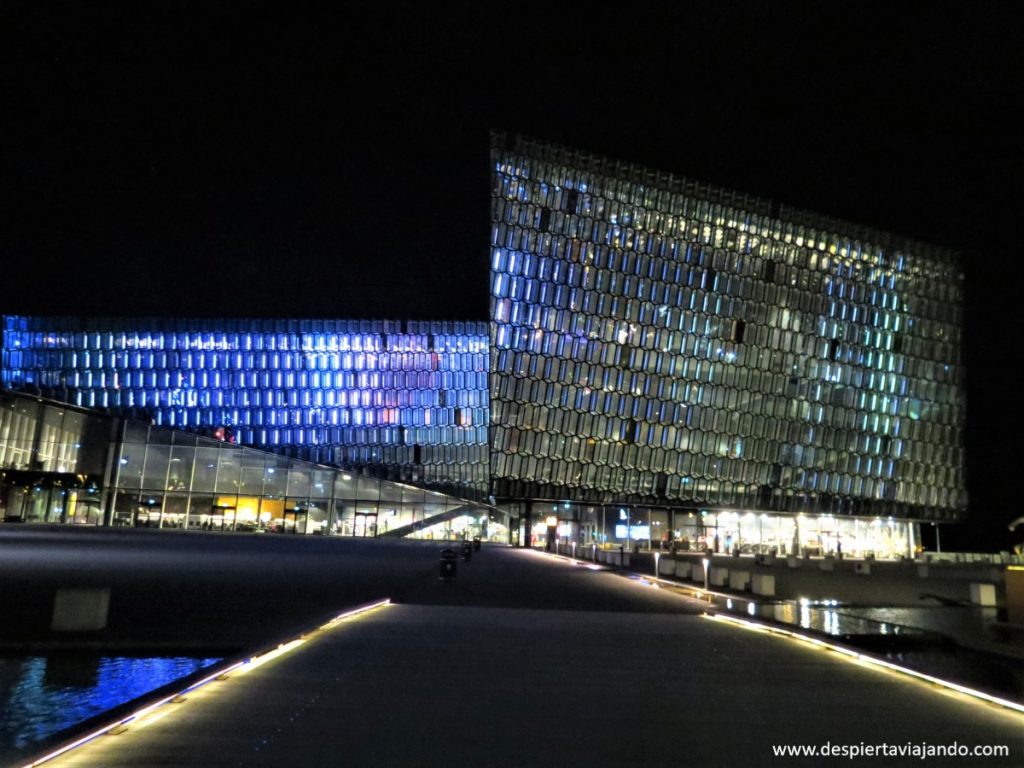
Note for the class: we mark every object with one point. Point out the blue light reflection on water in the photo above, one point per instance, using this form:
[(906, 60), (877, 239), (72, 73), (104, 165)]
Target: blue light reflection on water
[(42, 695)]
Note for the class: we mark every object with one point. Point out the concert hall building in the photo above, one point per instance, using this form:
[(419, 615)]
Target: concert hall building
[(664, 361)]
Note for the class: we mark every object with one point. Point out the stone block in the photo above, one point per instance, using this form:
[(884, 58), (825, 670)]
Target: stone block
[(80, 610), (763, 584), (719, 576), (983, 594), (1015, 595), (739, 580)]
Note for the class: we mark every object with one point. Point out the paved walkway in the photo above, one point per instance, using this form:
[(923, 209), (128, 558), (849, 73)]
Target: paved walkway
[(530, 661)]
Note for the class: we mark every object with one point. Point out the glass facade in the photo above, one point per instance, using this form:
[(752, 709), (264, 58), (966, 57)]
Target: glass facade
[(735, 532), (61, 464), (405, 400), (656, 341), (172, 479), (53, 461), (657, 348)]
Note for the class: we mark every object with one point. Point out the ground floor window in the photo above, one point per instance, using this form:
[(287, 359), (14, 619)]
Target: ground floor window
[(47, 502), (737, 533)]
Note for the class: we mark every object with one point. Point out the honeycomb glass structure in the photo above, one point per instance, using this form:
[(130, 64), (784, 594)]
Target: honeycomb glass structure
[(657, 341), (405, 400), (664, 362)]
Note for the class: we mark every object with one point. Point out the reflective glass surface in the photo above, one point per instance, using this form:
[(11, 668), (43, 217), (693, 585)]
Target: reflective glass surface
[(405, 399), (658, 340)]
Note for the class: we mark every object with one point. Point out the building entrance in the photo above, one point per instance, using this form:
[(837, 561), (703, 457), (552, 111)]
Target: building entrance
[(295, 520), (223, 518), (49, 500), (365, 524)]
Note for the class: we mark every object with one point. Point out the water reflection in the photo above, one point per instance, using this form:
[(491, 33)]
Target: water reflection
[(922, 639), (825, 616), (952, 621), (997, 675), (42, 695)]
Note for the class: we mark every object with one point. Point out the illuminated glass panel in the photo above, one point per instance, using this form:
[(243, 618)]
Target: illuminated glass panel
[(656, 340), (407, 400)]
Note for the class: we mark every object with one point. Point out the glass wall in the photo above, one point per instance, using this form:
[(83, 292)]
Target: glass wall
[(736, 533), (408, 400), (52, 461), (48, 437), (658, 341), (171, 479), (60, 464)]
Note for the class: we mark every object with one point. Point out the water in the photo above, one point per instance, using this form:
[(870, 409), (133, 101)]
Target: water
[(956, 643), (969, 622), (826, 617), (43, 695), (989, 671), (922, 639)]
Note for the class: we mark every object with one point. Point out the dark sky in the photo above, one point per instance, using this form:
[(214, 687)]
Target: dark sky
[(206, 159)]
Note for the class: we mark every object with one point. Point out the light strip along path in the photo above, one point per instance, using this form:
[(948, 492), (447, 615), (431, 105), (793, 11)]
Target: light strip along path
[(527, 660)]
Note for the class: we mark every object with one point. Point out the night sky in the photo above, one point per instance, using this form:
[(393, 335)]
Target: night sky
[(204, 159)]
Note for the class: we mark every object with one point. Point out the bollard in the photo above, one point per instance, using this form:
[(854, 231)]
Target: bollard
[(449, 565), (467, 551), (476, 543)]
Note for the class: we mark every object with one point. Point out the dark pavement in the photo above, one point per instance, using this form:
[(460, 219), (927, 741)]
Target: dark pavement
[(182, 591), (529, 660)]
